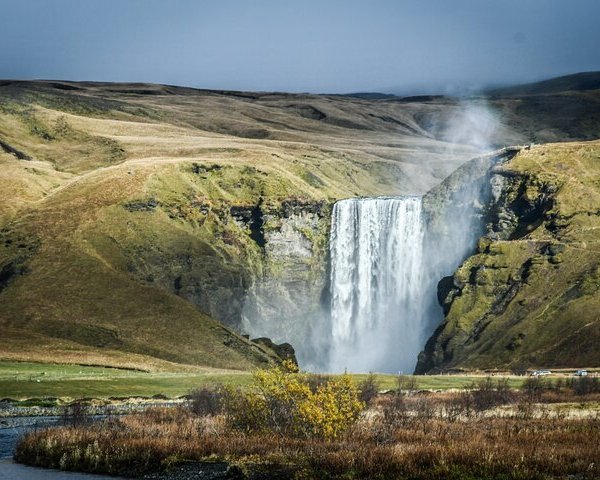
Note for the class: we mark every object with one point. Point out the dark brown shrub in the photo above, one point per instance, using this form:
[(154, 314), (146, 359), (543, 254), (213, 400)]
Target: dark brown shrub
[(368, 389), (489, 394), (407, 384), (457, 406), (532, 389), (585, 385), (206, 401), (392, 414)]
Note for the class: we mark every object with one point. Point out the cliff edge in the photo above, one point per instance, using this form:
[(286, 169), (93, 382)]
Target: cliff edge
[(530, 294)]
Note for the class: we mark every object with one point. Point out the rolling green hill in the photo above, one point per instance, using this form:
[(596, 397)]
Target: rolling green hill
[(136, 218)]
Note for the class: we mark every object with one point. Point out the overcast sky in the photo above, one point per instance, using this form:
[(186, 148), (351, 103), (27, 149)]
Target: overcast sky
[(330, 46)]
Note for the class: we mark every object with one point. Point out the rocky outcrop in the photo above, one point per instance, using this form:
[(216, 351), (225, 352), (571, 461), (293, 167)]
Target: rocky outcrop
[(282, 351), (528, 296), (455, 214), (465, 193), (262, 272), (4, 146)]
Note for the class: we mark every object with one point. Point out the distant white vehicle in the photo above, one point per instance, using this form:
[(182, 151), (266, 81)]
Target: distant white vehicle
[(540, 373), (581, 373)]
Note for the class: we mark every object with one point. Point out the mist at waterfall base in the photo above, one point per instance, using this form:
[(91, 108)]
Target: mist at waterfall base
[(386, 260)]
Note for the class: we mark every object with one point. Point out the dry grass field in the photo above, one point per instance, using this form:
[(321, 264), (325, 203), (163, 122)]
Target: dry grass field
[(488, 431)]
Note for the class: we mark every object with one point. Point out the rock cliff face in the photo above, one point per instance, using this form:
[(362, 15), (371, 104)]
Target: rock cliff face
[(529, 296), (286, 301), (257, 264)]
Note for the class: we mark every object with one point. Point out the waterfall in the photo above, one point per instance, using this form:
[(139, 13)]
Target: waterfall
[(377, 284)]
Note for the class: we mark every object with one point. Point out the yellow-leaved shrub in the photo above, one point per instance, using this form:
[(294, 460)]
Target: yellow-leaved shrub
[(283, 401)]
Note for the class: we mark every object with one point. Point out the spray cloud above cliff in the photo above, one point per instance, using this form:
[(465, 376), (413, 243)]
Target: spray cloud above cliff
[(472, 123)]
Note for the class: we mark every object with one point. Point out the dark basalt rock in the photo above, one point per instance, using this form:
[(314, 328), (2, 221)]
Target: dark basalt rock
[(253, 217), (295, 206), (17, 153), (515, 217), (141, 206), (285, 351), (222, 471), (19, 250), (200, 169), (445, 285), (9, 271), (197, 471)]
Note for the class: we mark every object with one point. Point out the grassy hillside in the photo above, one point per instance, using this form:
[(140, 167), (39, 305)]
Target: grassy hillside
[(559, 109), (133, 216), (117, 228), (530, 296)]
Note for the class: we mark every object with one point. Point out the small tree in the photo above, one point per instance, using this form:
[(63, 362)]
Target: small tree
[(331, 410), (369, 389)]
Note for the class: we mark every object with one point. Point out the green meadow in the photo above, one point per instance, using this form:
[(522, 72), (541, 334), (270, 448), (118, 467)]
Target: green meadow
[(25, 380)]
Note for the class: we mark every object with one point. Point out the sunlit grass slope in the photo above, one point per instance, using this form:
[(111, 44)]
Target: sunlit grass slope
[(531, 296), (107, 190)]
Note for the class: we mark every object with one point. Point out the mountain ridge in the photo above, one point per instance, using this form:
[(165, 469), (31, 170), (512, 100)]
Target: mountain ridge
[(581, 81)]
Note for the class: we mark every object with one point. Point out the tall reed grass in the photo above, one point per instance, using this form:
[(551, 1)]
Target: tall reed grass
[(484, 432)]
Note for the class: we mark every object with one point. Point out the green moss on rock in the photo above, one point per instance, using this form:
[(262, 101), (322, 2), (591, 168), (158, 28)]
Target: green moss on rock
[(529, 296)]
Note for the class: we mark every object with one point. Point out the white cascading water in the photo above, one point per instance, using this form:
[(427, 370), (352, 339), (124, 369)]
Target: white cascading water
[(377, 302)]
